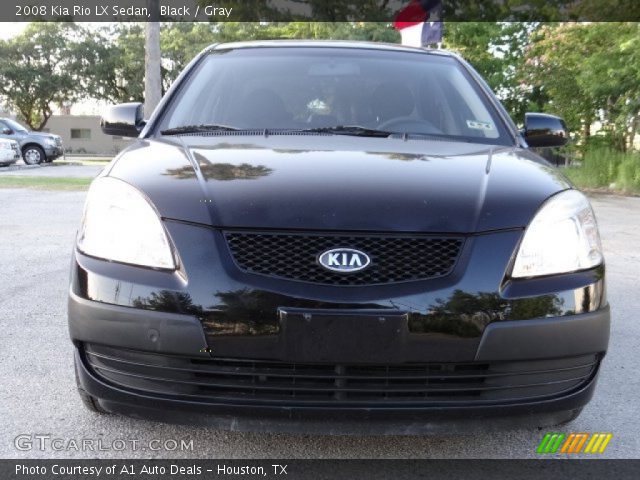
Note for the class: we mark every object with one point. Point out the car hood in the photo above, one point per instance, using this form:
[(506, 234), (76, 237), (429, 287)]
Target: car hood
[(339, 183), (41, 135)]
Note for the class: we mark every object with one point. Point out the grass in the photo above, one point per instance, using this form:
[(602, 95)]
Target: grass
[(606, 169), (44, 183)]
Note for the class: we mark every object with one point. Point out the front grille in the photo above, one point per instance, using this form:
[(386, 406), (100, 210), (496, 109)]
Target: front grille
[(238, 381), (393, 258)]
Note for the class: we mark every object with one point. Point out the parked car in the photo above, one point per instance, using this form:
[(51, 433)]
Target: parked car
[(36, 147), (336, 237), (9, 152)]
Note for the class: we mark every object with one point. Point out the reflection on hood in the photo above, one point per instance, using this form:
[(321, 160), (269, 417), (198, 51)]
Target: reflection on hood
[(222, 171)]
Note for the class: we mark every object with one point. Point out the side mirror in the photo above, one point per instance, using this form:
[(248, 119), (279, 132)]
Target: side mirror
[(542, 130), (6, 131), (124, 120)]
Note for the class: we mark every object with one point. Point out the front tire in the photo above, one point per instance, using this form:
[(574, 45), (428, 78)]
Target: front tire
[(33, 155)]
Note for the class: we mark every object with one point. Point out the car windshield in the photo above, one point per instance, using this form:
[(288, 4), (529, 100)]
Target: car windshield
[(15, 126), (307, 88)]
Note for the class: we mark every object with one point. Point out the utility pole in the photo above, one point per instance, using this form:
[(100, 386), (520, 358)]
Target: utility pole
[(152, 76)]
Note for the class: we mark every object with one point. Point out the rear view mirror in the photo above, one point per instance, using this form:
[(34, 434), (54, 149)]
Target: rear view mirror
[(6, 131), (334, 69), (124, 120), (543, 130)]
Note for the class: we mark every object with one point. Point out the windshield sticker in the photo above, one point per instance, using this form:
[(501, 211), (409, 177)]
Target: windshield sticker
[(476, 125)]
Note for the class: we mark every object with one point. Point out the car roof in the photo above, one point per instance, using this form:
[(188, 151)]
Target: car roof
[(329, 44)]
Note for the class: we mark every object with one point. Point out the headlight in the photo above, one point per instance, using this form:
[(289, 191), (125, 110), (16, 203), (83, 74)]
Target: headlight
[(562, 237), (5, 145), (120, 224), (50, 142)]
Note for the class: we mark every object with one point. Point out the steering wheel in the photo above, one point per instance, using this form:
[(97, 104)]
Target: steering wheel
[(409, 125)]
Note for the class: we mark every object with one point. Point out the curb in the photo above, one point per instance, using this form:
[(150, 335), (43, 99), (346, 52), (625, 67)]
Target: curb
[(14, 167)]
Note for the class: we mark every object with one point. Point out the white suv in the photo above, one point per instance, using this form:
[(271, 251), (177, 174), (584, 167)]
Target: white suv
[(9, 152)]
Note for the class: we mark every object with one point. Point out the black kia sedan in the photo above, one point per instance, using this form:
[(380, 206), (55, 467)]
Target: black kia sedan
[(336, 237)]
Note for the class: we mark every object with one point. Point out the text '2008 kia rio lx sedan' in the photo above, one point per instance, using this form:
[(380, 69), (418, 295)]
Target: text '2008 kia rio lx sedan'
[(336, 237)]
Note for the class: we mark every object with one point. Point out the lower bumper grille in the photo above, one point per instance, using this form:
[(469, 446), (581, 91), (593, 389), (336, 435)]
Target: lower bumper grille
[(239, 381)]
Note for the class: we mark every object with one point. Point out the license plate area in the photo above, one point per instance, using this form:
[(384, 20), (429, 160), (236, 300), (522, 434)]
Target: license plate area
[(338, 336)]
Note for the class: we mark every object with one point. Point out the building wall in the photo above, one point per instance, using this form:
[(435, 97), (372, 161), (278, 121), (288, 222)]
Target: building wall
[(81, 134)]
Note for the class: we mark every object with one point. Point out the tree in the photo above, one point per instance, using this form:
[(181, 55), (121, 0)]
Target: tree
[(588, 72), (610, 75), (43, 66), (117, 73), (496, 51), (180, 43)]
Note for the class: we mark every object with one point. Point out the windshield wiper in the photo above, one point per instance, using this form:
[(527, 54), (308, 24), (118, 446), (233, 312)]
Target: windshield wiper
[(354, 130), (198, 129)]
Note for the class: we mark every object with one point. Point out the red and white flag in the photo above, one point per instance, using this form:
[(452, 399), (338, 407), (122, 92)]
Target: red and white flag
[(420, 23)]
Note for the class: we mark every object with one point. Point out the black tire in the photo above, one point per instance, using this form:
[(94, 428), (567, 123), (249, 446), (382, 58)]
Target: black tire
[(33, 155), (88, 401)]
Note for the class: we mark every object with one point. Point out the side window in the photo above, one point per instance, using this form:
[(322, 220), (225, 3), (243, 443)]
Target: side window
[(3, 126)]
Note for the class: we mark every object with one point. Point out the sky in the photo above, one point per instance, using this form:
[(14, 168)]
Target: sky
[(11, 29)]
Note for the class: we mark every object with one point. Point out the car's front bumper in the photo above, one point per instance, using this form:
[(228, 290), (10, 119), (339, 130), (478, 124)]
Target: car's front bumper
[(333, 420), (129, 380), (264, 354), (54, 152)]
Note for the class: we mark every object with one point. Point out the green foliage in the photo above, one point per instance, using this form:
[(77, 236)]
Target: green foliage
[(44, 183), (588, 73), (496, 51), (179, 44), (117, 74), (43, 66), (606, 168)]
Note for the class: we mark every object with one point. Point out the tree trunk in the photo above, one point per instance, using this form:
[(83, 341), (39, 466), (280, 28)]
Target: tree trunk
[(152, 75), (633, 130), (586, 128)]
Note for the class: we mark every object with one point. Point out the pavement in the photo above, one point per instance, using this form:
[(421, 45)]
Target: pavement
[(38, 393)]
